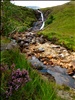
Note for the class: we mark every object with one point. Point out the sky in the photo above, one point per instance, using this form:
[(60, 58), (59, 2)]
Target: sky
[(41, 4)]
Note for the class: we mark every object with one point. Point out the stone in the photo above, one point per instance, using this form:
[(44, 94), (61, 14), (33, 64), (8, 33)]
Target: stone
[(41, 40), (33, 41), (61, 55), (19, 39), (55, 46), (41, 49), (49, 56), (45, 63), (27, 40), (24, 50), (25, 44), (21, 43), (70, 71), (73, 76)]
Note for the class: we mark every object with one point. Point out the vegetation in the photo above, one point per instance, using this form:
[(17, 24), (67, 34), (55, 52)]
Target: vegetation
[(59, 28), (60, 23), (35, 89), (15, 18)]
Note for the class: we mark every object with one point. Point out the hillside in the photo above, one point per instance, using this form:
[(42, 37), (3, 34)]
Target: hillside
[(60, 24), (33, 68), (15, 18)]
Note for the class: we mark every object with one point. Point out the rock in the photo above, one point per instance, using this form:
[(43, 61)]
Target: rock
[(21, 43), (41, 49), (25, 44), (27, 40), (30, 34), (11, 45), (19, 39), (73, 76), (36, 63), (24, 50), (49, 56), (30, 53), (61, 55), (55, 46), (45, 62), (41, 40), (70, 71), (33, 41)]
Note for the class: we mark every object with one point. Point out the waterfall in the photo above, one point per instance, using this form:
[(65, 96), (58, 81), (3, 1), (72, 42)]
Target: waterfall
[(42, 20)]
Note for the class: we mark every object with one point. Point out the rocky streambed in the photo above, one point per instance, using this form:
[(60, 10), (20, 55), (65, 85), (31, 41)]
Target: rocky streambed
[(48, 58)]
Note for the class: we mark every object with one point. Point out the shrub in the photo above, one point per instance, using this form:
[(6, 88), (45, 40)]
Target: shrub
[(16, 79), (49, 20)]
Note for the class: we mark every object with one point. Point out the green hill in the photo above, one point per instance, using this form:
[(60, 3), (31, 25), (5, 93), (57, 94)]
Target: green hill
[(15, 17), (60, 24)]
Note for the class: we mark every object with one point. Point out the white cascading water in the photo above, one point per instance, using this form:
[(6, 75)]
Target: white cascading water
[(42, 20)]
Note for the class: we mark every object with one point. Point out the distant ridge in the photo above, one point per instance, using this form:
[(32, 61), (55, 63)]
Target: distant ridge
[(33, 7)]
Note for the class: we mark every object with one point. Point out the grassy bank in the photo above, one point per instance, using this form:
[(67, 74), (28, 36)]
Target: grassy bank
[(15, 18), (60, 24), (35, 89)]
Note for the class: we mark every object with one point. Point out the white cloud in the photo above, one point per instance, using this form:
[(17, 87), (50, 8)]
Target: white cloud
[(41, 4)]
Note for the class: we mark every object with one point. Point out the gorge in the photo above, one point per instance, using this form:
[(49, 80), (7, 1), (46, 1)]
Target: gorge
[(38, 48)]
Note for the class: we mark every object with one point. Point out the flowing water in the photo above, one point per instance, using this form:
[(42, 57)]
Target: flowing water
[(60, 75), (39, 25), (43, 23)]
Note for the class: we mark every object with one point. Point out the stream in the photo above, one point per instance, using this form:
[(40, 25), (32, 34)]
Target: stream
[(59, 74), (36, 47)]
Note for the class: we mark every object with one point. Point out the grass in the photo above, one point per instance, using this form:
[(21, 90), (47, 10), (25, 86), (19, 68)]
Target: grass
[(4, 40), (36, 89), (15, 18), (60, 27)]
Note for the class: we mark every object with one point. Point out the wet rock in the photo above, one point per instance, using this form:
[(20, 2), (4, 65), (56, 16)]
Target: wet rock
[(36, 63)]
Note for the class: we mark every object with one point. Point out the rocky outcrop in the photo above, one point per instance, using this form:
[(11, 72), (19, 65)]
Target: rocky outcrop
[(48, 53)]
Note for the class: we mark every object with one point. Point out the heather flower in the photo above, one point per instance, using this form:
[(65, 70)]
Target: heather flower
[(18, 78)]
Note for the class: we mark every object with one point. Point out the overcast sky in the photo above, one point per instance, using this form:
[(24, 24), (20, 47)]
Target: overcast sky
[(41, 4)]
